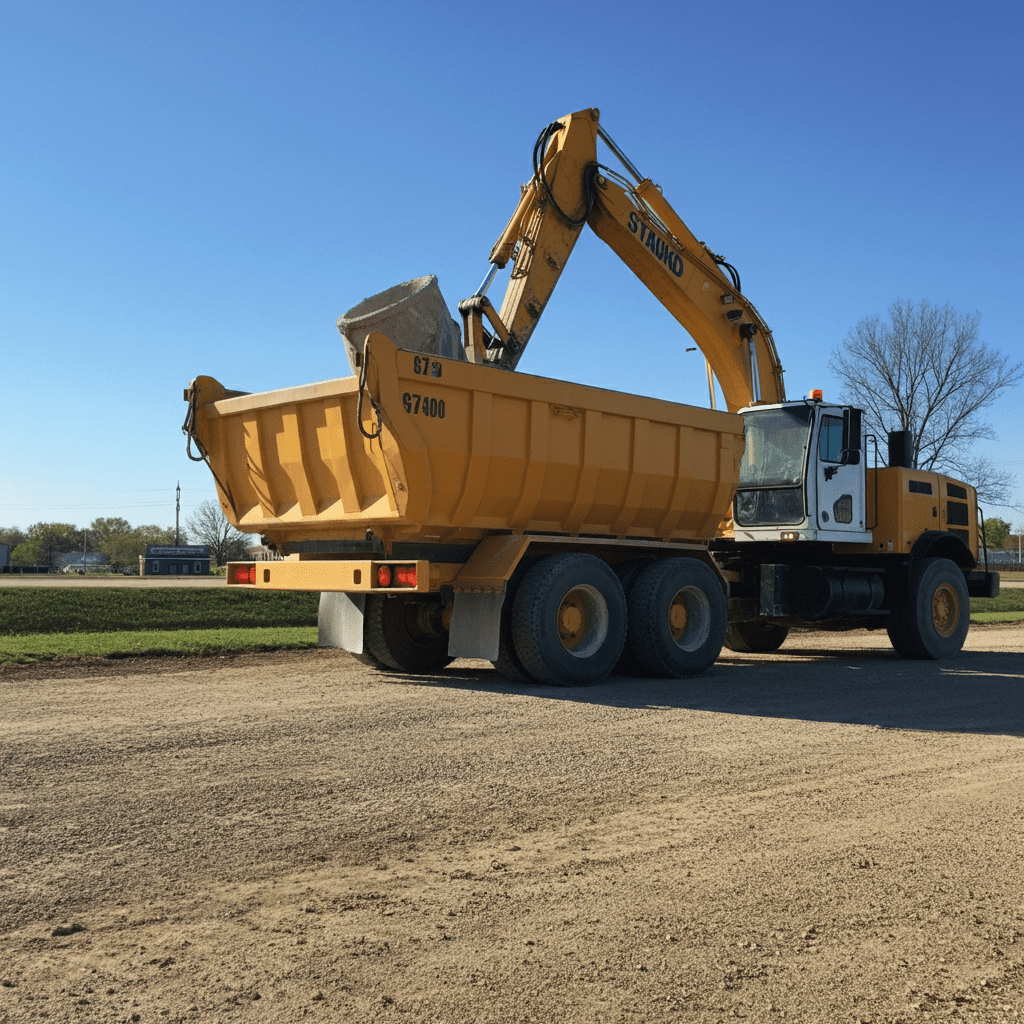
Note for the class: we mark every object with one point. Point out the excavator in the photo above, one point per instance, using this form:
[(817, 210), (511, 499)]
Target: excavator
[(447, 507), (569, 190)]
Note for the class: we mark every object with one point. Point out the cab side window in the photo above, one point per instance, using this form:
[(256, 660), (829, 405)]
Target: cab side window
[(830, 438)]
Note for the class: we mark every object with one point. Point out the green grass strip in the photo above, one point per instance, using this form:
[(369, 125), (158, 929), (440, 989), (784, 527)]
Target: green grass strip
[(30, 610), (33, 647), (1009, 600)]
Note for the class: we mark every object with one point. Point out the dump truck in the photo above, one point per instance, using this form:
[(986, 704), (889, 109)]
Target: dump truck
[(445, 504)]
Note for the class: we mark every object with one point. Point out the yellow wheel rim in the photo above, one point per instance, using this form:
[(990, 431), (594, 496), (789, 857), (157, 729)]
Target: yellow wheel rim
[(582, 621), (945, 610), (689, 618), (678, 615)]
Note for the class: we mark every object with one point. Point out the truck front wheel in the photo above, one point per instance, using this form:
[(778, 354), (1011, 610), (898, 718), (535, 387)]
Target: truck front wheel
[(405, 633), (755, 637), (677, 617), (932, 621), (569, 620)]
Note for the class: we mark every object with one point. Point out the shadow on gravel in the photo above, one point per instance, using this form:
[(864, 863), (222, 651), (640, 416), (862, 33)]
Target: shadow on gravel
[(977, 692)]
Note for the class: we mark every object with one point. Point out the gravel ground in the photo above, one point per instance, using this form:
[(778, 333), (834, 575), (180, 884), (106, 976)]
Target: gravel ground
[(825, 834)]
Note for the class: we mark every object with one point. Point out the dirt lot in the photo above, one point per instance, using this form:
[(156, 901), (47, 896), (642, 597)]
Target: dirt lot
[(828, 834)]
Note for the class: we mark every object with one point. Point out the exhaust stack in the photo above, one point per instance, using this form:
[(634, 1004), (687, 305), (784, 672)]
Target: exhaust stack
[(901, 449)]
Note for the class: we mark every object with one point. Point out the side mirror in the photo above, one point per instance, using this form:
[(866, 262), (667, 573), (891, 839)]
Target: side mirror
[(849, 455)]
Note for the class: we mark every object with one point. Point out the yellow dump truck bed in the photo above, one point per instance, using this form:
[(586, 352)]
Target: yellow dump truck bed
[(464, 450)]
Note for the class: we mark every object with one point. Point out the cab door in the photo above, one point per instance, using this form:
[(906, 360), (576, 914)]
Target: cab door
[(839, 486)]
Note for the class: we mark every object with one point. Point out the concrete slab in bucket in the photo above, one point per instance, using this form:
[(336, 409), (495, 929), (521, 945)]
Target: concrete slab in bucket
[(413, 315)]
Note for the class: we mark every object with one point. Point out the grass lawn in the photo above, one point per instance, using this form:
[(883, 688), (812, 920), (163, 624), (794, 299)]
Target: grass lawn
[(43, 623), (31, 647), (1007, 607), (122, 609)]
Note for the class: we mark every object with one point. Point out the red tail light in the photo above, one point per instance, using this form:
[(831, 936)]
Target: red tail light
[(396, 575), (243, 574)]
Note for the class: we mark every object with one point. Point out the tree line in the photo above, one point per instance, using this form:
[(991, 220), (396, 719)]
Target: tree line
[(54, 545), (999, 535)]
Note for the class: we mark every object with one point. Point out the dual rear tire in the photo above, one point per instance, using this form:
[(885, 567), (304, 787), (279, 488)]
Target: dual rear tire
[(405, 633), (571, 617)]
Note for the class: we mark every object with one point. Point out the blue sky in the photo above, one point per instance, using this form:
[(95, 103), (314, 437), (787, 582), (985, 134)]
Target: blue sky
[(205, 187)]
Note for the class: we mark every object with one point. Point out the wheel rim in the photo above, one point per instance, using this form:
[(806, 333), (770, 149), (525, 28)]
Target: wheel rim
[(583, 621), (689, 618), (945, 610)]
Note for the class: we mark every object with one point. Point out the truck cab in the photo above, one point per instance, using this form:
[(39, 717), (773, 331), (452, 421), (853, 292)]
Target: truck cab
[(802, 475)]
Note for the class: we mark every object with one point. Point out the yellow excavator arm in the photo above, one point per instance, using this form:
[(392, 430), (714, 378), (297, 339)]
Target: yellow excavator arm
[(569, 189)]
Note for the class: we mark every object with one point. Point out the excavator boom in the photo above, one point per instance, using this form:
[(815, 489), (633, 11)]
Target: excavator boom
[(569, 189)]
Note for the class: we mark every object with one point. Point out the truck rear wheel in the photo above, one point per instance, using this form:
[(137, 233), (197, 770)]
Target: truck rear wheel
[(405, 633), (932, 621), (677, 617), (569, 620), (628, 572), (755, 637), (508, 663)]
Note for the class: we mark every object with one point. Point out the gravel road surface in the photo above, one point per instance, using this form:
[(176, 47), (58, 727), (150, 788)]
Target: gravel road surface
[(825, 834)]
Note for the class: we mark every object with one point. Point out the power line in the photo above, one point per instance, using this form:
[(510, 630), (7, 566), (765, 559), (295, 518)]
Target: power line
[(41, 505), (133, 491)]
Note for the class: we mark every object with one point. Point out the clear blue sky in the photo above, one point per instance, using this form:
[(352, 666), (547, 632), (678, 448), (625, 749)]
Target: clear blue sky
[(205, 187)]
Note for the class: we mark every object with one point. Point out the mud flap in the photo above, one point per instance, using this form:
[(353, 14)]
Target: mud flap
[(340, 621), (476, 625)]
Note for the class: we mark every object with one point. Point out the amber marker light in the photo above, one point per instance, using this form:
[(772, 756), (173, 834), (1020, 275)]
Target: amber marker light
[(817, 395)]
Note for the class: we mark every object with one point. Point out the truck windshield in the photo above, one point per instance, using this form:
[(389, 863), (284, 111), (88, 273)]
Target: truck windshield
[(775, 452)]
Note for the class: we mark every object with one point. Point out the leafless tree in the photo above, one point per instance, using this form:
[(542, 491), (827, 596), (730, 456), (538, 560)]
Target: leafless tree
[(208, 525), (926, 370)]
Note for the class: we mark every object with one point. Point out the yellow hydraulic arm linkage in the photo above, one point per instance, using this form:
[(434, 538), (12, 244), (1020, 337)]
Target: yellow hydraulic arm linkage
[(569, 189)]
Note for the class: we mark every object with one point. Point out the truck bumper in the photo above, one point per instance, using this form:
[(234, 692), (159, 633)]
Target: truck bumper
[(357, 576)]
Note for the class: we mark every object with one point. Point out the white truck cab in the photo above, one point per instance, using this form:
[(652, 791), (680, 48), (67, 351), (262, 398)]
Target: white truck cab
[(802, 474)]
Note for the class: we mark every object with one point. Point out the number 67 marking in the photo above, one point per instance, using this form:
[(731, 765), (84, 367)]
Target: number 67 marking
[(426, 367)]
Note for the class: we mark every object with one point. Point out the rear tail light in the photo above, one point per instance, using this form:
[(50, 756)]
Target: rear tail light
[(242, 574), (395, 576)]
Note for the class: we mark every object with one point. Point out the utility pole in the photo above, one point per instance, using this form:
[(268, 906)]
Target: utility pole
[(177, 513)]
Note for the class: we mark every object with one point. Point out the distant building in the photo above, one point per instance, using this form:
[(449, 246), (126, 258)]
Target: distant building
[(95, 561), (171, 560), (5, 557)]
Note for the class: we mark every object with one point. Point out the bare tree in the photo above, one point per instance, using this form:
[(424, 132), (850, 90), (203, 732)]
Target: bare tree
[(208, 525), (925, 370)]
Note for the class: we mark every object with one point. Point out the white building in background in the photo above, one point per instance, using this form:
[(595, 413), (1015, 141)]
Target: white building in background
[(95, 561)]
